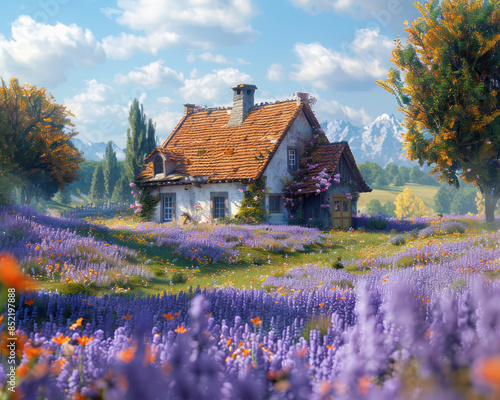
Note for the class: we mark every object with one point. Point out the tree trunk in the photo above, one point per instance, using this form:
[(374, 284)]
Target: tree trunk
[(491, 196)]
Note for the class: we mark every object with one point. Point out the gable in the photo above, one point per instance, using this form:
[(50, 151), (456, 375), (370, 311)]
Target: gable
[(203, 145)]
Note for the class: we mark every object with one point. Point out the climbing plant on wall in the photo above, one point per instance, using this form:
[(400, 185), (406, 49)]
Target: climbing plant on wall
[(252, 206)]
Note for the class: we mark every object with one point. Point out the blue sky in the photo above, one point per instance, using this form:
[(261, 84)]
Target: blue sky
[(96, 56)]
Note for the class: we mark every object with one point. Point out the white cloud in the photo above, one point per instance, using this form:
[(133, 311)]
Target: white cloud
[(213, 86), (154, 74), (197, 24), (276, 73), (166, 121), (41, 54), (100, 111), (214, 58), (330, 110), (381, 13), (360, 63)]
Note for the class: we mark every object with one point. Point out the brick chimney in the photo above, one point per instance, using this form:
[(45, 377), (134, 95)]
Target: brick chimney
[(188, 108), (243, 100)]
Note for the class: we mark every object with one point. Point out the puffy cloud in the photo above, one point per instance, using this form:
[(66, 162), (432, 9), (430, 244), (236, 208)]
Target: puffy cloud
[(360, 63), (166, 121), (381, 13), (41, 54), (276, 73), (213, 86), (199, 24), (327, 110), (154, 74)]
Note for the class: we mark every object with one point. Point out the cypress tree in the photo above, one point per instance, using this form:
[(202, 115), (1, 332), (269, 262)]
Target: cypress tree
[(111, 172), (97, 189), (136, 139), (150, 142), (121, 194)]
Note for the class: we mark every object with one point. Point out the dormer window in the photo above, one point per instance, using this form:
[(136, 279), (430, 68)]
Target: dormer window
[(158, 165)]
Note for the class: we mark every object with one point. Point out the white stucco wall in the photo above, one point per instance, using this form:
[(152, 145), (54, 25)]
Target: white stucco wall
[(185, 200), (277, 169)]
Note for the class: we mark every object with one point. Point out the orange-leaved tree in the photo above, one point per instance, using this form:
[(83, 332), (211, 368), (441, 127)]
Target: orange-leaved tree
[(450, 92), (35, 135)]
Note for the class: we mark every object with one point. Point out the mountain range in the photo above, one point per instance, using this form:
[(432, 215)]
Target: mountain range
[(96, 151), (380, 142)]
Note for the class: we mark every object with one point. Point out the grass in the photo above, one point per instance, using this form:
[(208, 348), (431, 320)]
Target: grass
[(253, 266)]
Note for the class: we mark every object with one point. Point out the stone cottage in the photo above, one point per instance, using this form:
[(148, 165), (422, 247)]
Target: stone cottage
[(203, 168)]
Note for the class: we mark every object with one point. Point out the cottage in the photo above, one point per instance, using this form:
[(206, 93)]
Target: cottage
[(203, 168)]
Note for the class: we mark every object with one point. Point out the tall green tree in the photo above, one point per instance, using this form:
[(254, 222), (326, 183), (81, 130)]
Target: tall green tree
[(98, 189), (122, 194), (450, 92), (150, 143), (110, 170), (136, 140), (443, 199)]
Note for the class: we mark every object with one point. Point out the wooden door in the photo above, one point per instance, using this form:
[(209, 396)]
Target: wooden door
[(341, 212)]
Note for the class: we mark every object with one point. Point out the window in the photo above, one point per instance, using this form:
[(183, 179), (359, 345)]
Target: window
[(219, 204), (275, 203), (168, 207), (158, 165), (292, 160)]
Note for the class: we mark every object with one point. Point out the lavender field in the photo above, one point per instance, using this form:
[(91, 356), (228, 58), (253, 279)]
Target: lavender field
[(282, 313)]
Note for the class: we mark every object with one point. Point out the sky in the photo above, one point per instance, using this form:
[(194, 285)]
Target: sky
[(96, 56)]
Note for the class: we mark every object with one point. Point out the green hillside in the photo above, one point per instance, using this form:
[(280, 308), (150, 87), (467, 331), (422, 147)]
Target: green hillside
[(389, 193)]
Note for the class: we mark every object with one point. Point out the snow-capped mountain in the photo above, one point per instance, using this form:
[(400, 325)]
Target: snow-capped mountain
[(96, 151), (380, 142)]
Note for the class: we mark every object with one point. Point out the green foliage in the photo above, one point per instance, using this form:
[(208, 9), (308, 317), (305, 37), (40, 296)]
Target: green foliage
[(63, 197), (72, 288), (398, 240), (321, 323), (381, 180), (343, 284), (405, 262), (136, 141), (374, 207), (449, 93), (337, 264), (252, 207), (398, 180), (121, 192), (149, 204), (377, 223), (179, 277), (150, 142), (464, 201), (111, 171), (443, 199), (97, 188)]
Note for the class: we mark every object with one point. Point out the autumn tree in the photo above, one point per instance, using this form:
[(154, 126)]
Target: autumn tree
[(110, 170), (35, 137), (408, 205), (450, 92)]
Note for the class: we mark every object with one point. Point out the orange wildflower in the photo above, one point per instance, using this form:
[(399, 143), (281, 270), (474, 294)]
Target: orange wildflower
[(76, 324), (29, 302), (127, 317), (256, 320), (11, 276), (180, 329), (488, 371), (84, 340), (127, 355), (168, 316), (60, 339)]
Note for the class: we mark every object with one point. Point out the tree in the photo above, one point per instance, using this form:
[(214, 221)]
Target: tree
[(110, 170), (464, 201), (389, 209), (121, 193), (381, 180), (35, 137), (392, 170), (398, 180), (408, 205), (136, 139), (97, 190), (450, 92), (63, 197), (150, 143), (374, 207), (443, 199)]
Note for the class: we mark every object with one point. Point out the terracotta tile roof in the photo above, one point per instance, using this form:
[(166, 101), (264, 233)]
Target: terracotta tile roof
[(202, 144), (329, 155)]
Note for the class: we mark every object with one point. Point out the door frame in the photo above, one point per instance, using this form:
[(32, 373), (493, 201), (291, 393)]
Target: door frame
[(341, 219)]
